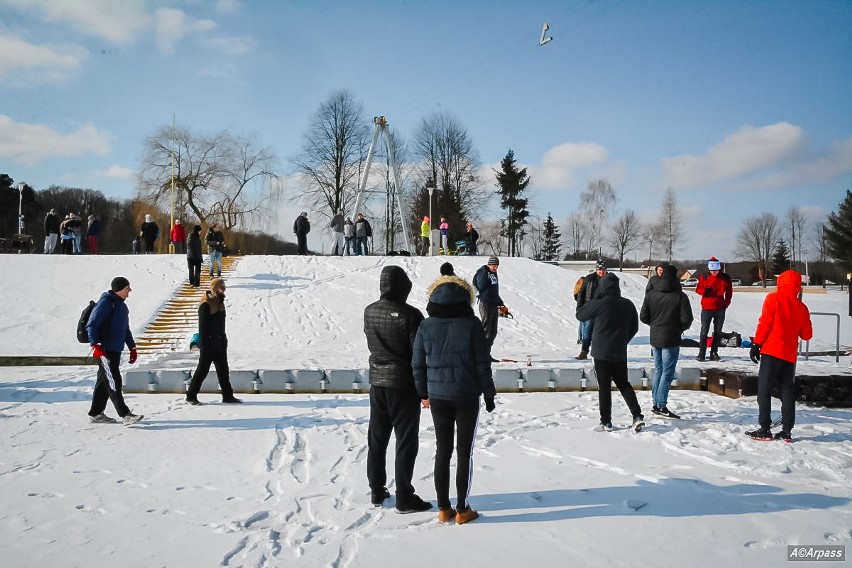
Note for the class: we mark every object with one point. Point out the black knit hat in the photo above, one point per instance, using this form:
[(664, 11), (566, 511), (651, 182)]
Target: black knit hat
[(119, 283), (447, 269)]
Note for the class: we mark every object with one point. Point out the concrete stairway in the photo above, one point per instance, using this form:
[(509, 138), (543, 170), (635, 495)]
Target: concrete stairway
[(177, 320)]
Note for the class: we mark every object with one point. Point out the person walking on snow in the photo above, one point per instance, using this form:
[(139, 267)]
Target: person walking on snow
[(615, 322), (784, 319), (488, 291), (390, 325), (109, 331), (213, 345), (716, 291), (452, 369), (667, 311)]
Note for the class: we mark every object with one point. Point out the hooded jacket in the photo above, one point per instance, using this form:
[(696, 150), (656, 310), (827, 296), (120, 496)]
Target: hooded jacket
[(452, 360), (715, 291), (211, 321), (616, 320), (391, 325), (784, 319), (488, 286), (109, 323), (666, 309)]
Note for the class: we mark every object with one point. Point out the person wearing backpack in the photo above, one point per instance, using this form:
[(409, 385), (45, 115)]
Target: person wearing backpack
[(109, 331)]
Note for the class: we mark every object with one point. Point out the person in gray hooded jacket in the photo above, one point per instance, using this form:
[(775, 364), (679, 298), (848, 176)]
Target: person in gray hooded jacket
[(391, 325), (452, 369)]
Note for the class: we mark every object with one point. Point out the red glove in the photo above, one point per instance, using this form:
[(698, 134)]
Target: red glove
[(133, 355), (97, 351)]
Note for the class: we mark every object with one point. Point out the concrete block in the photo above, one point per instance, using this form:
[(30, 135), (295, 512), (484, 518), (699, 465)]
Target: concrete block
[(274, 380), (536, 378), (172, 380), (241, 381), (308, 380), (635, 376), (568, 378), (137, 381), (341, 380), (688, 377), (506, 379)]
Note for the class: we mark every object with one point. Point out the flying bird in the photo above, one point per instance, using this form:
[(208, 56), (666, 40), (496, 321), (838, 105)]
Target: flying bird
[(543, 40)]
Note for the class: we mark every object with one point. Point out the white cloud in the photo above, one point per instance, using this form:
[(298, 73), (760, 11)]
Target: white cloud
[(115, 172), (778, 155), (116, 22), (572, 164), (25, 64), (227, 6), (30, 144)]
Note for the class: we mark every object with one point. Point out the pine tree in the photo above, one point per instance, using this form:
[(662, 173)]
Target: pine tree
[(838, 232), (781, 258), (512, 183), (551, 237)]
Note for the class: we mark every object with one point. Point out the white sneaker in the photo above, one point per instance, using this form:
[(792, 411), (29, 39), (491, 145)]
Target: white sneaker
[(604, 427), (132, 419), (102, 419)]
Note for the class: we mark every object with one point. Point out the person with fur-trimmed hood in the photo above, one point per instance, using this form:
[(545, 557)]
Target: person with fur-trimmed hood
[(390, 325), (452, 369), (213, 345)]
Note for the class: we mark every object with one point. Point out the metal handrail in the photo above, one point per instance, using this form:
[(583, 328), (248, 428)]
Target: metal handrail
[(837, 348)]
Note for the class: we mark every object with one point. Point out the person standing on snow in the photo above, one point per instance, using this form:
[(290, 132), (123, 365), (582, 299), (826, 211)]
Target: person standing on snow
[(488, 291), (390, 325), (784, 319), (93, 230), (178, 237), (194, 257), (425, 228), (213, 345), (444, 227), (149, 232), (51, 231), (452, 369), (348, 237), (109, 331), (302, 226), (589, 291), (215, 246), (716, 291), (667, 311), (363, 231), (470, 238), (336, 226), (615, 322)]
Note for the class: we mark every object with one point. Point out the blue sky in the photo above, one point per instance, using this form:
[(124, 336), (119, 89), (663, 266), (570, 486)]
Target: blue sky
[(742, 107)]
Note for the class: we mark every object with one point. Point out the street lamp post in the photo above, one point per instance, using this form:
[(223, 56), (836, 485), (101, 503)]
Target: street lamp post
[(431, 188), (20, 208)]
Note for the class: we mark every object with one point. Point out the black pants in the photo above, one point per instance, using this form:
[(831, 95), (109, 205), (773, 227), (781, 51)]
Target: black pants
[(108, 386), (149, 245), (194, 265), (450, 417), (775, 372), (302, 241), (220, 360), (718, 317), (609, 372), (489, 317), (397, 411)]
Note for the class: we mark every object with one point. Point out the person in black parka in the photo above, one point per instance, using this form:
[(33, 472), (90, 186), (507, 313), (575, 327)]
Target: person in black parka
[(302, 226), (213, 345), (615, 322), (194, 256), (390, 325), (452, 369), (667, 311)]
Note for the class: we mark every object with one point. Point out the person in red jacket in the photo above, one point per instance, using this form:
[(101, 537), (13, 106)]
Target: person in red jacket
[(178, 237), (716, 291), (784, 320)]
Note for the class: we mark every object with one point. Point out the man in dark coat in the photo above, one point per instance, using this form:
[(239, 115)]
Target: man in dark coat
[(391, 326), (667, 311), (194, 257), (149, 232), (213, 345), (488, 291), (215, 247), (302, 226), (109, 331), (589, 291), (51, 231), (336, 225), (615, 323)]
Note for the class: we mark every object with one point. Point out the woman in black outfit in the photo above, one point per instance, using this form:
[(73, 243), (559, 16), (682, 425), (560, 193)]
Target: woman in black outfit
[(194, 256), (451, 339)]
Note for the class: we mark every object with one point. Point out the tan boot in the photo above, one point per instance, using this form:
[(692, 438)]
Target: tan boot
[(466, 515), (446, 515), (582, 355)]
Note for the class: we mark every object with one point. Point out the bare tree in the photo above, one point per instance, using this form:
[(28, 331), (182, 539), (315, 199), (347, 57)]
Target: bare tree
[(626, 235), (757, 239), (669, 224), (574, 237), (597, 203), (651, 237), (490, 237), (795, 230), (223, 176), (334, 150)]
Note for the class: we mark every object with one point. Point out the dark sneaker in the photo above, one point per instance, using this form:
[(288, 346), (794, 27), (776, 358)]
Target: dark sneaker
[(762, 434), (466, 515), (783, 436), (102, 419), (377, 499), (714, 356), (655, 409), (193, 401), (232, 400), (638, 423), (446, 514), (131, 418), (700, 358), (413, 504), (666, 413)]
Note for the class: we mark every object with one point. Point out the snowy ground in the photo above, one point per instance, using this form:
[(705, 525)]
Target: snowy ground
[(280, 480)]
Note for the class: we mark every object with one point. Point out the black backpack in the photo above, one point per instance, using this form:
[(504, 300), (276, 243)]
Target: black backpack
[(82, 333)]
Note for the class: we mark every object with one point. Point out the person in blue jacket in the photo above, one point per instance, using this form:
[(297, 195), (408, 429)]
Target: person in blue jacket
[(109, 331), (452, 369)]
